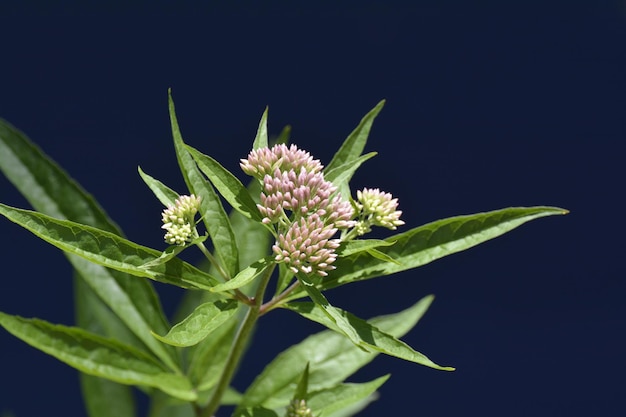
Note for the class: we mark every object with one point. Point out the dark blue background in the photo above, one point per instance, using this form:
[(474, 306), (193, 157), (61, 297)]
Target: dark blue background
[(488, 106)]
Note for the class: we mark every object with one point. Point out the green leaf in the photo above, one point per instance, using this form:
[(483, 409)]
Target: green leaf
[(200, 323), (171, 252), (51, 191), (260, 141), (370, 337), (227, 184), (213, 215), (432, 241), (245, 276), (360, 245), (303, 385), (94, 316), (283, 137), (98, 356), (353, 146), (255, 412), (209, 357), (375, 253), (331, 356), (329, 401), (162, 192), (108, 249), (332, 314), (340, 176)]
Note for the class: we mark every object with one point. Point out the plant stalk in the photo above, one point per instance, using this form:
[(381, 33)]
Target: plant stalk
[(236, 351)]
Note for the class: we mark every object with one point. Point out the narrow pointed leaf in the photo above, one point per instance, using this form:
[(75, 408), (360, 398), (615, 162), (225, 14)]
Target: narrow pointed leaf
[(361, 245), (432, 241), (200, 323), (50, 190), (370, 337), (260, 141), (213, 214), (162, 192), (283, 137), (332, 358), (227, 184), (245, 276), (93, 316), (98, 356), (171, 252), (329, 401), (341, 175), (375, 253), (107, 249), (209, 357), (303, 385), (333, 315), (353, 146)]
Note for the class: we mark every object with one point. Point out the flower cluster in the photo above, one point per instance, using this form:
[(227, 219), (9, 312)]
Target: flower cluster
[(376, 208), (178, 220), (298, 408), (306, 208)]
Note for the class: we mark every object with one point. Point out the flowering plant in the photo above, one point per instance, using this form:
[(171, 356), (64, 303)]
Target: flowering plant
[(296, 224)]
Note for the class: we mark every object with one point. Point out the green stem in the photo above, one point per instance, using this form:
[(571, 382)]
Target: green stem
[(275, 302), (213, 261), (236, 351)]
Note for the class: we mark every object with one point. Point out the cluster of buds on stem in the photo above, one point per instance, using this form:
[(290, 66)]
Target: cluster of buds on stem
[(178, 220), (298, 408), (306, 209)]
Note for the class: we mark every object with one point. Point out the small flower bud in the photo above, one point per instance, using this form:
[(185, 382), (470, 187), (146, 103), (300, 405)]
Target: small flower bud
[(378, 209), (298, 408), (179, 218)]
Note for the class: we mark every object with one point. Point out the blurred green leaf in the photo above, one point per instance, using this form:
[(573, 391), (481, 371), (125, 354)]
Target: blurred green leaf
[(331, 400), (332, 358), (108, 249), (98, 356), (340, 176), (370, 337), (51, 191), (200, 323), (213, 215)]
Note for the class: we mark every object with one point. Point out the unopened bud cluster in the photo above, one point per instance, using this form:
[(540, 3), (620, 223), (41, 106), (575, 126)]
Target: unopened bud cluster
[(305, 207), (376, 208), (307, 210), (298, 408), (178, 220)]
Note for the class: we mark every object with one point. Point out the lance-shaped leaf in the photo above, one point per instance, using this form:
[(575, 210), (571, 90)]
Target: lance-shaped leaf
[(353, 146), (209, 357), (260, 140), (98, 356), (432, 241), (51, 191), (108, 249), (331, 356), (245, 276), (330, 400), (162, 192), (98, 393), (213, 214), (360, 245), (341, 175), (200, 323), (370, 337), (227, 184), (333, 315)]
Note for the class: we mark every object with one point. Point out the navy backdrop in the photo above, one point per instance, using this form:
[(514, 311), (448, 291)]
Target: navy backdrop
[(488, 106)]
